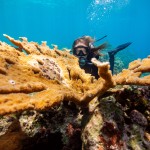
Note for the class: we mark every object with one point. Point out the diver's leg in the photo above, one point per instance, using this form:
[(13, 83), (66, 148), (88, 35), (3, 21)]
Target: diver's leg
[(113, 52), (111, 61), (119, 48)]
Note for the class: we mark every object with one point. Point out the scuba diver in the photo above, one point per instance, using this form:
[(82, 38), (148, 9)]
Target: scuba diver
[(84, 49)]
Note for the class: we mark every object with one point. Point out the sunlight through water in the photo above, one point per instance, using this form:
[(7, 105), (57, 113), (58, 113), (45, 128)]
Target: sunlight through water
[(98, 9)]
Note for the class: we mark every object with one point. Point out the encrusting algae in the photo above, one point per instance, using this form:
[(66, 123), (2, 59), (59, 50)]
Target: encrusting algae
[(33, 76)]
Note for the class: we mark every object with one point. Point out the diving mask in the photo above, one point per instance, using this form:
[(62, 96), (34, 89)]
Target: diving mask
[(81, 52)]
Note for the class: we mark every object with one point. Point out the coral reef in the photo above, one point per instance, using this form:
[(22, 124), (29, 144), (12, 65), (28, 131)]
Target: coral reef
[(120, 121), (42, 78), (58, 128), (48, 102), (133, 73)]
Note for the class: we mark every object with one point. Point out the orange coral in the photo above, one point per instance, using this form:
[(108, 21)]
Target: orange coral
[(133, 75), (33, 76)]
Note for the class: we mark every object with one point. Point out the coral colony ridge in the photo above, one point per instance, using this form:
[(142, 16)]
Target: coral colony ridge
[(44, 95)]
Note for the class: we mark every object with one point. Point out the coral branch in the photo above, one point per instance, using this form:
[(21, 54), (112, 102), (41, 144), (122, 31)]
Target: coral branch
[(23, 88), (133, 75)]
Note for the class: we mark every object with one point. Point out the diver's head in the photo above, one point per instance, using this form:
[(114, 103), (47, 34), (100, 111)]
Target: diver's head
[(81, 50)]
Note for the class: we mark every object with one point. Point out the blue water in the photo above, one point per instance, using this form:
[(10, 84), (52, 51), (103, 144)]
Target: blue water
[(61, 21)]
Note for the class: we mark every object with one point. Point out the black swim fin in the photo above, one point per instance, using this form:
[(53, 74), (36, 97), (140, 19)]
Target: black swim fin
[(113, 52)]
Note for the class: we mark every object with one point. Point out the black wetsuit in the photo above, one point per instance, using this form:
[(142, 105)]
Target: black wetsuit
[(89, 67)]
